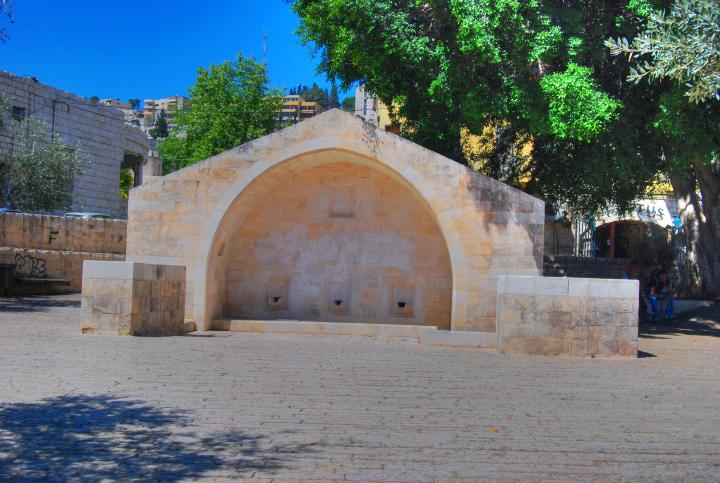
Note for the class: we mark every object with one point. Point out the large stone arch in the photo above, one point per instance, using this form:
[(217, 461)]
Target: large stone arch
[(489, 228), (318, 154)]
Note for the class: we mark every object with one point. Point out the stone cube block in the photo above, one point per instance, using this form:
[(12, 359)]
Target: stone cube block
[(567, 316), (132, 298)]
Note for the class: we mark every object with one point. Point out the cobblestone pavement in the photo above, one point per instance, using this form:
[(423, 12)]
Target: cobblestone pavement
[(221, 405)]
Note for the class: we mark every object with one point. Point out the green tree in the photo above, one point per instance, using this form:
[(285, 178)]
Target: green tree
[(127, 182), (542, 71), (348, 103), (134, 102), (683, 46), (539, 70), (334, 102), (41, 171), (315, 94), (230, 104), (160, 131)]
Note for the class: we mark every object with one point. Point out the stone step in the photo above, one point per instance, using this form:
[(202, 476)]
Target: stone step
[(428, 335), (189, 326)]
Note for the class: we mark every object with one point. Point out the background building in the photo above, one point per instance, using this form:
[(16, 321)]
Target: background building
[(153, 107), (372, 109), (105, 140), (117, 103), (294, 107)]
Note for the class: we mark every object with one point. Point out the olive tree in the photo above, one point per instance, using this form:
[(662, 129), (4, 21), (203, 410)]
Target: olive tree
[(40, 173)]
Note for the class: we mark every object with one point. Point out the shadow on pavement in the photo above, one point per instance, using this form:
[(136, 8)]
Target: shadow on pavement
[(92, 438), (36, 303), (704, 321)]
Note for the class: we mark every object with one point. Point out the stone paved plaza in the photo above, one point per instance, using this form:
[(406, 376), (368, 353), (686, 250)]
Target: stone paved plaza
[(229, 405)]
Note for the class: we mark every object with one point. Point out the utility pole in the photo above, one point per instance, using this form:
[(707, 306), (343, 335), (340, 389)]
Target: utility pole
[(265, 48), (299, 106)]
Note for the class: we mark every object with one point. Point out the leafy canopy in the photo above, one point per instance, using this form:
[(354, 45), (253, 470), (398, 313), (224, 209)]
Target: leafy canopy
[(41, 172), (230, 104), (683, 45), (161, 130), (578, 109), (531, 70)]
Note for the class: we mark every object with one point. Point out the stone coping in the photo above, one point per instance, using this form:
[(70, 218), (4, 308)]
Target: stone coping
[(427, 335), (132, 271), (568, 286)]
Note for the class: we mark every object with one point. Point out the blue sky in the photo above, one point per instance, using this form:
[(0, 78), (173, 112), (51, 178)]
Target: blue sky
[(151, 48)]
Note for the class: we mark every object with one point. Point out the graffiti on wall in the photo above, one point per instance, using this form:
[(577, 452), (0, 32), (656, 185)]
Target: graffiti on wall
[(27, 266)]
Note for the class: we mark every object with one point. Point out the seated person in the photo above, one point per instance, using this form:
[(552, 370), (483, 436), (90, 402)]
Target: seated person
[(661, 291)]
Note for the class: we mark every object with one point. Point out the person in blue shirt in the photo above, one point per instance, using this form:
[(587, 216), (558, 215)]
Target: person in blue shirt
[(661, 292)]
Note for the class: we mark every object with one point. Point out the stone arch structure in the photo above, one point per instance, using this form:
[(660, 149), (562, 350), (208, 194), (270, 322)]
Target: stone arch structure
[(193, 216), (330, 235)]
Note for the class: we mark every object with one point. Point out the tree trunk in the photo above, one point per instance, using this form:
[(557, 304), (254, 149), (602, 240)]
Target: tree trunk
[(700, 213)]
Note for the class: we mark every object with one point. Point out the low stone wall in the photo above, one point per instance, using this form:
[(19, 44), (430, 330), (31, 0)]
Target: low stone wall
[(54, 247), (567, 316), (133, 298), (62, 233), (52, 264)]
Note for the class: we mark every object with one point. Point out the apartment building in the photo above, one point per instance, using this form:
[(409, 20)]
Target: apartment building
[(294, 107), (171, 105), (372, 109)]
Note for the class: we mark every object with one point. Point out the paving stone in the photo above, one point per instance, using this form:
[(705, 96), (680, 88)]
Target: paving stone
[(219, 405)]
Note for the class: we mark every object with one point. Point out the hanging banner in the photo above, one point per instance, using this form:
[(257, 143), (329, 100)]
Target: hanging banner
[(660, 211)]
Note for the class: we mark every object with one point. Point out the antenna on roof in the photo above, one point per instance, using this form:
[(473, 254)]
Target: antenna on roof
[(265, 48)]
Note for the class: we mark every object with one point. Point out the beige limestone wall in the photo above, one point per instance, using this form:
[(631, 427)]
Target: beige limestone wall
[(54, 247), (189, 217), (53, 264), (567, 316), (339, 242), (133, 298), (64, 233), (100, 133)]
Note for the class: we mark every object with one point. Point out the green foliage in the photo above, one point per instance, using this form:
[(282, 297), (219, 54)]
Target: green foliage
[(176, 153), (539, 68), (41, 172), (160, 131), (127, 181), (334, 101), (230, 104), (315, 94), (692, 130), (579, 109), (134, 102), (683, 45), (642, 8), (348, 103)]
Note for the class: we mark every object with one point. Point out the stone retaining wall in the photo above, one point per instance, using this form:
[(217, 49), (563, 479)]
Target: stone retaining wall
[(64, 233), (54, 247), (567, 316), (100, 133), (54, 264), (133, 298)]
